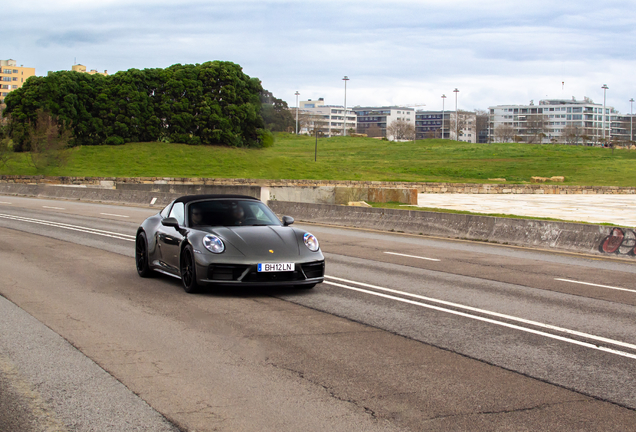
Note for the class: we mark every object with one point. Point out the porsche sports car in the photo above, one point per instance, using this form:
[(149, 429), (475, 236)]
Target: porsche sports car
[(227, 240)]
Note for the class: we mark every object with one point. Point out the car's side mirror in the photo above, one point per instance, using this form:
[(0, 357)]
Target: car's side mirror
[(170, 222), (287, 220)]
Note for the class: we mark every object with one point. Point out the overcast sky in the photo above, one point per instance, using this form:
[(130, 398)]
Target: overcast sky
[(395, 52)]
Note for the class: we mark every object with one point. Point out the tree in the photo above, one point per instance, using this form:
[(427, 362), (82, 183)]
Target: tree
[(572, 134), (401, 130), (48, 142), (457, 124), (482, 120), (536, 127), (311, 122), (460, 124), (373, 130), (209, 103), (6, 149), (504, 133), (585, 139), (276, 114)]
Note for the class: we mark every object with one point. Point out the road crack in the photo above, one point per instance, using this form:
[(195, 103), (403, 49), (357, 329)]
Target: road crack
[(539, 407)]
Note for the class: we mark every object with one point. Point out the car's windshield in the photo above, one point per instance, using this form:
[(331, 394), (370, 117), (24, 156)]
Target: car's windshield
[(229, 212)]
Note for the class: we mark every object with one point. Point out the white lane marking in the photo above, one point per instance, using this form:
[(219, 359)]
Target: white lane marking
[(54, 208), (412, 256), (494, 314), (4, 202), (596, 285), (492, 321), (111, 214), (71, 227)]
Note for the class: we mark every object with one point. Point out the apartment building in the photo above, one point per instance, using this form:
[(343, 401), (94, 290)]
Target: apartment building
[(330, 120), (373, 121), (555, 120), (12, 77), (82, 69), (441, 124)]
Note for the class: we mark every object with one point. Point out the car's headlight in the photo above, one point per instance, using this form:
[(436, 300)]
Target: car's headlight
[(311, 242), (213, 244)]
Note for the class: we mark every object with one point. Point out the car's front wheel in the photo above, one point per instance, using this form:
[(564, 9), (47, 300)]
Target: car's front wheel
[(188, 270), (141, 256)]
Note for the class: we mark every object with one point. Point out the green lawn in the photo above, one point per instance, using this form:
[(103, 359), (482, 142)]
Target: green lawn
[(351, 159)]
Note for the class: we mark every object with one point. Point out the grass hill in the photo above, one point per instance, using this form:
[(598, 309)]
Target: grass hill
[(345, 158)]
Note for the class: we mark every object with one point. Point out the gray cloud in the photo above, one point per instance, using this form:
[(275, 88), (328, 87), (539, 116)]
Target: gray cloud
[(391, 50)]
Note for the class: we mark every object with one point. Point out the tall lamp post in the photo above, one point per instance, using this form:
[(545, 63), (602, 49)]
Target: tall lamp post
[(296, 111), (344, 123), (605, 87), (631, 119), (456, 116), (443, 100)]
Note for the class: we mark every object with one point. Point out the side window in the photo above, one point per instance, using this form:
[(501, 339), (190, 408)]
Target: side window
[(177, 212), (166, 211)]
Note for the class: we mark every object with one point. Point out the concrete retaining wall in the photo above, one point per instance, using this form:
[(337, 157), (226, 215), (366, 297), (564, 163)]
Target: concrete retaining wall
[(563, 236), (421, 187)]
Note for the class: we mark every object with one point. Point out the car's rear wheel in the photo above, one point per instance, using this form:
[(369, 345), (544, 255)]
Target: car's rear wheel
[(189, 270), (141, 256)]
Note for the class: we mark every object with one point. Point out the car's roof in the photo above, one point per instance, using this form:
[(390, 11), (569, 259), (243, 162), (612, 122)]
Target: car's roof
[(189, 198)]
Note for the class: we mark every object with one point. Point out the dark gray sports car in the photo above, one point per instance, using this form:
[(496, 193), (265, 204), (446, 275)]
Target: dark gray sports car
[(227, 240)]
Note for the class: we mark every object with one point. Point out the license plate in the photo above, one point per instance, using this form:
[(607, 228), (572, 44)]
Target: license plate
[(276, 267)]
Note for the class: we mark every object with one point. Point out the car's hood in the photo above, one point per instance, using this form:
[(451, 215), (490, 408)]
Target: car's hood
[(262, 242)]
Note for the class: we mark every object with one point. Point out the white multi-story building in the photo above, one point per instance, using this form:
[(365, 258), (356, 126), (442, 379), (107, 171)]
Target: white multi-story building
[(328, 119), (373, 121), (554, 120)]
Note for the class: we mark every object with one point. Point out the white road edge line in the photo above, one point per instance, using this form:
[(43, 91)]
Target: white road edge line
[(491, 321), (71, 227), (495, 314), (54, 208), (111, 214), (412, 256), (596, 285), (4, 202)]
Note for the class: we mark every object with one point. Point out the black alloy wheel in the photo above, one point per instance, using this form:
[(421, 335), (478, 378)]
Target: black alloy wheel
[(188, 270), (141, 256)]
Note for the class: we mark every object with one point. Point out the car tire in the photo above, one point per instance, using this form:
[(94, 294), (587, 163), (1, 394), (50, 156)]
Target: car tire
[(188, 270), (141, 256)]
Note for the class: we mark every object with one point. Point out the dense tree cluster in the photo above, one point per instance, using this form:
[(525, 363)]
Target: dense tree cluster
[(276, 113), (209, 103)]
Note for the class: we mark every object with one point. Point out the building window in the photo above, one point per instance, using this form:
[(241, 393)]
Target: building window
[(15, 78), (7, 71), (6, 78)]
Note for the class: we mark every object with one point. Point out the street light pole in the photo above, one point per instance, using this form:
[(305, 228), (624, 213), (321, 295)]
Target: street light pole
[(344, 123), (443, 100), (605, 87), (631, 119), (456, 116), (297, 111)]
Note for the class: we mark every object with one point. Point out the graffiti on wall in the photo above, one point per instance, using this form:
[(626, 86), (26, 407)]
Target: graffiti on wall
[(620, 241)]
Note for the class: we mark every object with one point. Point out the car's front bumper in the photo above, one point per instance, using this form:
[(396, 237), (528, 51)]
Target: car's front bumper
[(305, 273)]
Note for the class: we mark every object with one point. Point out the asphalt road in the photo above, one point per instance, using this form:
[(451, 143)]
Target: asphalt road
[(407, 333)]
